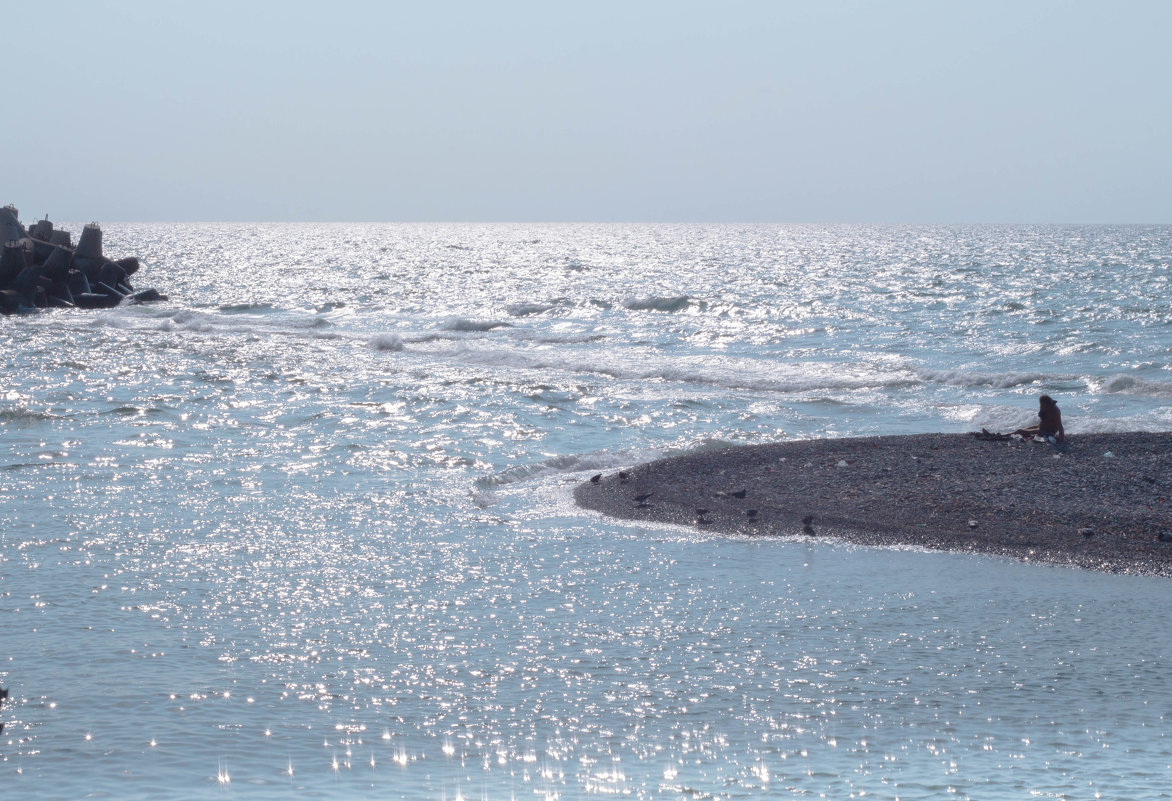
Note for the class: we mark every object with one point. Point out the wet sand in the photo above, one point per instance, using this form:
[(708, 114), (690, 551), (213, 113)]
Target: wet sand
[(1099, 501)]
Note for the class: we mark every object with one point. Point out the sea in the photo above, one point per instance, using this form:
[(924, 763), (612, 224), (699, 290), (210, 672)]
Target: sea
[(305, 529)]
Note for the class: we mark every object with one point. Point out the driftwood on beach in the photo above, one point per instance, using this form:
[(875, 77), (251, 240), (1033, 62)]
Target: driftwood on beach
[(1099, 501), (41, 267)]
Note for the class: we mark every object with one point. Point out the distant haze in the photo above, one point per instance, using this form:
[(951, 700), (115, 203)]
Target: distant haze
[(603, 111)]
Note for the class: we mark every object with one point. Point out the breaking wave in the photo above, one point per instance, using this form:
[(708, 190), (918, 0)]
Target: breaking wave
[(965, 378), (1134, 385), (467, 325), (673, 303), (529, 309), (737, 374), (387, 342)]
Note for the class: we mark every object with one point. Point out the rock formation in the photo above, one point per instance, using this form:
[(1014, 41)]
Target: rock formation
[(41, 267)]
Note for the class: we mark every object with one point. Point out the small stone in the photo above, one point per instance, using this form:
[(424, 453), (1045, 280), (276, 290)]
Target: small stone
[(1108, 455), (972, 524), (841, 463), (1087, 532)]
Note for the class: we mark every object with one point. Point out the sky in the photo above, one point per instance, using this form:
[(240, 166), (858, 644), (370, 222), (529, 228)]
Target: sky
[(777, 111)]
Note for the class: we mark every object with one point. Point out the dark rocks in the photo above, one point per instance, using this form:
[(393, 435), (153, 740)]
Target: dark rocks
[(146, 296), (39, 269)]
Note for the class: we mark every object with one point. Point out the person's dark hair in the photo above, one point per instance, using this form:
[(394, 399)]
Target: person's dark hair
[(1046, 400)]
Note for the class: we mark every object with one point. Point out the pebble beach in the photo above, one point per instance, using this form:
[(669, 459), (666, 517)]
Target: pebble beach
[(1097, 501)]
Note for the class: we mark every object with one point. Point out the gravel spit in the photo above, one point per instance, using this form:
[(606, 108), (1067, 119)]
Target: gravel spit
[(1099, 501)]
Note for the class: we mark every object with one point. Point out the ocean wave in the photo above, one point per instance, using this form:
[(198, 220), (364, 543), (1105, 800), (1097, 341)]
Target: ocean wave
[(191, 320), (201, 321), (1156, 420), (1134, 385), (529, 309), (749, 375), (309, 322), (794, 383), (967, 378), (465, 324), (671, 303), (246, 308), (22, 415), (387, 342), (569, 339)]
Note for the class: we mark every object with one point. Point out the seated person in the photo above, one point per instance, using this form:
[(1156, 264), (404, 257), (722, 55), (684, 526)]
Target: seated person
[(1049, 421)]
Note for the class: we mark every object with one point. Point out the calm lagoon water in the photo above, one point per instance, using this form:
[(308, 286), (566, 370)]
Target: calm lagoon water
[(305, 529)]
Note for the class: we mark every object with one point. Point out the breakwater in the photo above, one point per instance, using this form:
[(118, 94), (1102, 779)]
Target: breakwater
[(41, 267)]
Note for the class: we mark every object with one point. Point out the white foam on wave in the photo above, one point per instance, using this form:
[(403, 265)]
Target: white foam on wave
[(1122, 384), (1002, 418), (246, 308), (465, 324), (1157, 420), (529, 309), (213, 321), (968, 378), (670, 303), (387, 342), (724, 373)]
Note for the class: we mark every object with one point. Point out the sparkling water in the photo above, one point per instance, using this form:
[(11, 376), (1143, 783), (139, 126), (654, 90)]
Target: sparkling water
[(305, 529)]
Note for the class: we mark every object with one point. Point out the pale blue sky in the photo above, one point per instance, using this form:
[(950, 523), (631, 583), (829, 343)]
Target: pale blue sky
[(812, 111)]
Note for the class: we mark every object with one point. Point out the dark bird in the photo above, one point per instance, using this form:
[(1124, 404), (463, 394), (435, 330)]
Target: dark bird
[(624, 475), (596, 479), (702, 512), (1166, 538), (751, 513), (641, 500), (808, 529), (1087, 532), (738, 494)]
